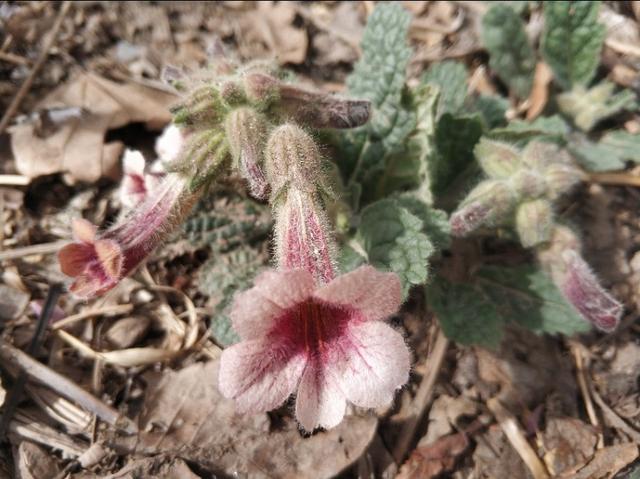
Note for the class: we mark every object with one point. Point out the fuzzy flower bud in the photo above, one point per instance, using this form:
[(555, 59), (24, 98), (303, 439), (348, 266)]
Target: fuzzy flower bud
[(569, 271), (587, 107), (202, 108), (498, 160), (310, 108), (292, 159), (98, 261), (246, 132), (488, 203), (534, 222)]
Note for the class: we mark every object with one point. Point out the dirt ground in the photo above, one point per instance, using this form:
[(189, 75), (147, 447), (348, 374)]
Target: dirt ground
[(144, 352)]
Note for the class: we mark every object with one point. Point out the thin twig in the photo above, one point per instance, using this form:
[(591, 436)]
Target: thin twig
[(110, 310), (15, 59), (14, 180), (64, 387), (516, 437), (18, 386), (613, 418), (423, 397), (620, 179), (583, 382), (26, 85), (43, 248)]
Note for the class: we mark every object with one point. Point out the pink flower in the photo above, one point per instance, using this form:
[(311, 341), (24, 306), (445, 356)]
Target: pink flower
[(326, 342), (136, 184), (98, 261)]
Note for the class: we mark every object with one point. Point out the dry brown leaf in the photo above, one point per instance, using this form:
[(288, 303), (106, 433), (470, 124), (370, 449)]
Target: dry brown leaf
[(568, 442), (272, 24), (606, 462), (13, 302), (126, 332), (164, 467), (184, 412), (494, 457), (444, 414), (540, 92), (33, 462), (78, 146)]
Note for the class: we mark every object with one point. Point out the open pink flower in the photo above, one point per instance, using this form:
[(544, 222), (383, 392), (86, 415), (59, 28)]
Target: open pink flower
[(98, 261), (326, 342), (137, 183)]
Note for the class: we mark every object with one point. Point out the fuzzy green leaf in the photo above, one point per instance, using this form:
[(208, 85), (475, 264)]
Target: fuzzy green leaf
[(475, 313), (572, 41), (609, 154), (552, 128), (510, 54), (455, 138), (451, 79), (393, 240), (435, 222), (492, 109)]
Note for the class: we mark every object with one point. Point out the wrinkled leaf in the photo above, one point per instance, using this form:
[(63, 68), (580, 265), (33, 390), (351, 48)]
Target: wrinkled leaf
[(451, 79), (492, 109), (455, 138), (611, 153), (510, 54), (393, 240), (552, 128), (435, 222), (572, 41), (475, 313)]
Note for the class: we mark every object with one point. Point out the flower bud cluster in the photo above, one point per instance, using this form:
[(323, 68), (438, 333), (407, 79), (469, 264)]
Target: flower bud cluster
[(519, 191)]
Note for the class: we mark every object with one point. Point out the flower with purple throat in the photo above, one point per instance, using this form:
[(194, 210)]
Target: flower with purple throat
[(328, 343)]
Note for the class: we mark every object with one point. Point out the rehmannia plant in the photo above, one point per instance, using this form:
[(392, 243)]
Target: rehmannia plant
[(360, 189)]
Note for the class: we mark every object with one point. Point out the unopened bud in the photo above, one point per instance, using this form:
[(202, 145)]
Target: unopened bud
[(232, 93), (583, 290), (201, 108), (488, 203), (498, 160), (303, 236), (561, 178), (261, 88), (246, 131), (537, 155), (534, 222), (587, 107), (293, 158), (528, 184), (204, 155)]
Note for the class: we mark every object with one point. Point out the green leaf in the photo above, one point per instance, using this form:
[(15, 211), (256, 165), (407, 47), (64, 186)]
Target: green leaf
[(492, 109), (510, 54), (455, 138), (609, 154), (435, 222), (451, 79), (588, 107), (393, 240), (552, 128), (476, 312), (465, 314), (380, 77), (526, 295), (572, 41)]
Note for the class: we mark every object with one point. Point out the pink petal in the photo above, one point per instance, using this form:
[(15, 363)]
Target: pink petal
[(110, 256), (133, 163), (83, 230), (375, 294), (259, 375), (371, 363), (254, 311), (319, 402), (74, 258)]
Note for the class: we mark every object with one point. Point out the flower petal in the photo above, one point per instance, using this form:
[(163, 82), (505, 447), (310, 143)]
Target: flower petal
[(74, 258), (254, 311), (370, 364), (319, 402), (83, 230), (259, 375), (110, 256), (133, 162), (375, 294)]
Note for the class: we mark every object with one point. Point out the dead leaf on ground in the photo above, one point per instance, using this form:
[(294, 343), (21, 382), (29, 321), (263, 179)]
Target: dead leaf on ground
[(165, 467), (568, 442), (78, 146), (13, 302), (444, 414), (341, 31), (605, 463), (540, 92), (272, 24), (495, 457), (34, 462), (184, 413)]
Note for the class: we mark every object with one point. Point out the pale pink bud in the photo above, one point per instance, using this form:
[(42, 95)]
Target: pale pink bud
[(170, 143), (246, 131), (488, 204), (498, 160), (98, 261), (137, 183)]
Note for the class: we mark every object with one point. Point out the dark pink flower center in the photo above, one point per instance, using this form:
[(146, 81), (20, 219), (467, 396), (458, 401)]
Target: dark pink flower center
[(313, 326)]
